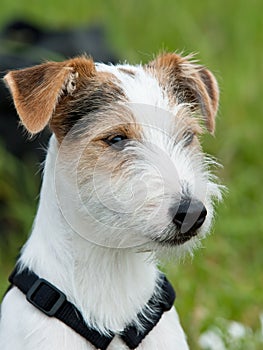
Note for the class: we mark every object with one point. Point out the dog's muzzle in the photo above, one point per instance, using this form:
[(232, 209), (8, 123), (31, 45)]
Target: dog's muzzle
[(187, 218)]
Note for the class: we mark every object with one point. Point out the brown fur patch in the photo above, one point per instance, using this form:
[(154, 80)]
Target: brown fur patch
[(92, 149), (187, 82)]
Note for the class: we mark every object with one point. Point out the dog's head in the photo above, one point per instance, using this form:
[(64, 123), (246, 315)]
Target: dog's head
[(130, 161)]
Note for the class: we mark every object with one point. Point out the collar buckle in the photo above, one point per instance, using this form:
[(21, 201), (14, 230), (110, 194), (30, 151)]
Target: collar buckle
[(45, 297)]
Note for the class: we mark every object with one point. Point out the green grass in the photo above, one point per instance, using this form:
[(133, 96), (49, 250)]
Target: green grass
[(225, 279)]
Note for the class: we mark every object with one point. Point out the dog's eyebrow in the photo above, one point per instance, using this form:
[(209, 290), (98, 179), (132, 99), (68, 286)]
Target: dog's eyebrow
[(127, 71), (88, 100)]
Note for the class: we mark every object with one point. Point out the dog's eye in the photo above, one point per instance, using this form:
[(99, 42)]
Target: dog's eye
[(117, 141), (188, 137)]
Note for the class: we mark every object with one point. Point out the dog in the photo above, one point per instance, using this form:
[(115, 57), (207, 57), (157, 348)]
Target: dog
[(125, 182)]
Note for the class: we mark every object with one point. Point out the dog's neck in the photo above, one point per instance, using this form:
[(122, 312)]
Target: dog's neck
[(109, 286)]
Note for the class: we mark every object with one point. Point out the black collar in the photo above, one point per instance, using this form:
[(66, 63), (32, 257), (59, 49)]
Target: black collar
[(52, 302)]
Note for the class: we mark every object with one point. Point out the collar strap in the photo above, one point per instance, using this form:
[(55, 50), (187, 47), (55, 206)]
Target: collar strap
[(53, 303)]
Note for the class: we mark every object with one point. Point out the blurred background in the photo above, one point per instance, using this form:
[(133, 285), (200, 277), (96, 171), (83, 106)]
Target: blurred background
[(219, 291)]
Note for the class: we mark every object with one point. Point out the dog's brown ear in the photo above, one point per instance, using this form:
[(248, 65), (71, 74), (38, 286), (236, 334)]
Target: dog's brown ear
[(189, 83), (37, 90)]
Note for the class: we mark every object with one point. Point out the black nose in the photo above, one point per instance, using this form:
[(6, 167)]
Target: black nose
[(190, 215)]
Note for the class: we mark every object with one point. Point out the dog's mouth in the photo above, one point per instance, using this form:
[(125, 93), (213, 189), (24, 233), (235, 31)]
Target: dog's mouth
[(177, 238)]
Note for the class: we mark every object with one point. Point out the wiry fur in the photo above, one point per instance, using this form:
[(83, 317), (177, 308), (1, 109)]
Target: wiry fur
[(105, 214)]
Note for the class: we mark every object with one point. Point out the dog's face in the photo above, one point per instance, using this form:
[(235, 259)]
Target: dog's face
[(130, 164)]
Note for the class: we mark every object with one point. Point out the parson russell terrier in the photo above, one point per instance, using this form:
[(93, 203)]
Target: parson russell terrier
[(125, 181)]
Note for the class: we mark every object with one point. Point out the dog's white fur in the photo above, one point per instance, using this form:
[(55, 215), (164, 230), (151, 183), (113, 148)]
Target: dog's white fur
[(110, 285)]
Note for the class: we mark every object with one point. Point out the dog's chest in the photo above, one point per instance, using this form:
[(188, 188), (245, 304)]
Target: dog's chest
[(33, 330), (167, 335)]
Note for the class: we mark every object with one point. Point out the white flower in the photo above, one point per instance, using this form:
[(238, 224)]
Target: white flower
[(237, 330), (210, 340)]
